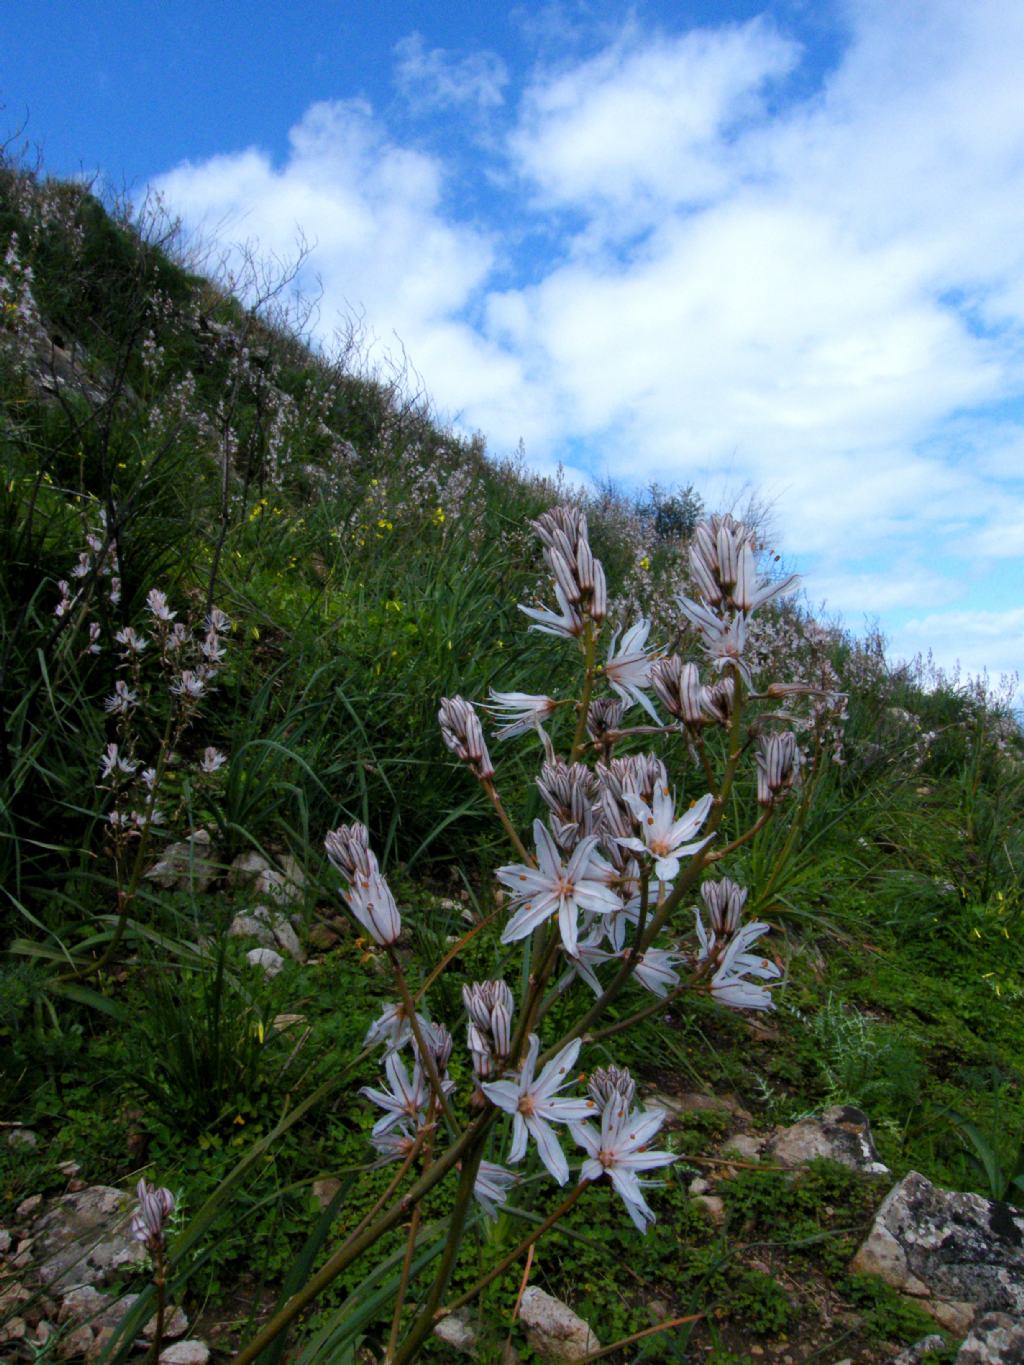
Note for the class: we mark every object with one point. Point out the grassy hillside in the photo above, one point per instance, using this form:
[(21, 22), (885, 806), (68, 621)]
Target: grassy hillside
[(158, 433)]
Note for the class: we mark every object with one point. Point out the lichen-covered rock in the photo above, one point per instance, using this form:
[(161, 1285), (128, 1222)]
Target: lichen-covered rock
[(191, 1352), (995, 1339), (842, 1134), (913, 1355), (961, 1254), (85, 1239), (553, 1330), (285, 884)]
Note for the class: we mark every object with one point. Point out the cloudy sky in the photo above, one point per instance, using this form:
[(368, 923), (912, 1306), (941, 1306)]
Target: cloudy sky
[(772, 247)]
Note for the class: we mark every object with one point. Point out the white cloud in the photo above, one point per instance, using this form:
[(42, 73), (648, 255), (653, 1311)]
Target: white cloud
[(979, 641), (433, 79), (697, 271)]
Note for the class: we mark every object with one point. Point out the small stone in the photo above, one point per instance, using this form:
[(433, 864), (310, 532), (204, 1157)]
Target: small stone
[(457, 1330), (554, 1331), (175, 1324), (252, 926), (191, 1352), (956, 1315), (5, 1241), (913, 1355), (288, 941), (325, 1190), (748, 1148), (44, 1331), (266, 958), (714, 1207), (245, 869), (842, 1134), (22, 1137), (284, 885), (69, 1169), (322, 938), (187, 865), (756, 1350), (698, 1185), (29, 1206), (76, 1343), (14, 1329)]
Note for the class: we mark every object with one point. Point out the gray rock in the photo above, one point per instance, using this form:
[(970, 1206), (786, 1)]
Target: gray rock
[(961, 1254), (995, 1339), (175, 1324), (191, 1352), (5, 1241), (714, 1206), (553, 1330), (22, 1137), (266, 958), (458, 1331), (255, 926), (748, 1148), (842, 1134), (87, 1305), (288, 940), (285, 885), (84, 1239), (245, 869), (913, 1355), (188, 865)]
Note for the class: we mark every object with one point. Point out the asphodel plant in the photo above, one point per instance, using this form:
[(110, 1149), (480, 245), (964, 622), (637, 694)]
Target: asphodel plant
[(615, 891)]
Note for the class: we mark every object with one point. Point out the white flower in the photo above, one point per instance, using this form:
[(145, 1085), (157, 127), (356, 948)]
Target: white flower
[(521, 710), (729, 985), (405, 1099), (373, 905), (491, 1186), (212, 760), (121, 703), (619, 1151), (392, 1028), (724, 639), (665, 837), (132, 641), (554, 888), (112, 762), (628, 669), (568, 622), (189, 685), (534, 1104), (655, 970), (156, 601)]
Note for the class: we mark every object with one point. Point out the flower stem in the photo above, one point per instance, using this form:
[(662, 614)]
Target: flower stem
[(589, 644)]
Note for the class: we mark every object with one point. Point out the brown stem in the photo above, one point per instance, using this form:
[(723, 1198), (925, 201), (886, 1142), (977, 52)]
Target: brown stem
[(639, 1336), (160, 1280), (589, 644), (509, 827), (403, 1284), (454, 952), (426, 1056)]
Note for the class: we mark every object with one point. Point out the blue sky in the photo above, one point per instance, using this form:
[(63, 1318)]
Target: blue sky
[(773, 247)]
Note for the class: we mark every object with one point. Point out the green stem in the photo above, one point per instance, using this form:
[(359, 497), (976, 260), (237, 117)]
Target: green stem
[(589, 649), (424, 1323), (355, 1246), (426, 1056)]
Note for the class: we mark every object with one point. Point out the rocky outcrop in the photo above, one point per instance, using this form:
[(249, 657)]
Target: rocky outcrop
[(995, 1339), (958, 1253), (84, 1239)]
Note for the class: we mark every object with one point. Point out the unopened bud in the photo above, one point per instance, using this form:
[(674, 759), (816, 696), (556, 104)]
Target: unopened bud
[(463, 735)]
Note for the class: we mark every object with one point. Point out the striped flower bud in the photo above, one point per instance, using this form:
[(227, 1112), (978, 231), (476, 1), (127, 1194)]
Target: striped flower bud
[(463, 735), (155, 1207), (678, 687), (778, 762)]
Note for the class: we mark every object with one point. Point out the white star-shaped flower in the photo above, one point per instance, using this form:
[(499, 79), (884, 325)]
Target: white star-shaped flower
[(556, 888), (619, 1151), (534, 1104), (665, 837)]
